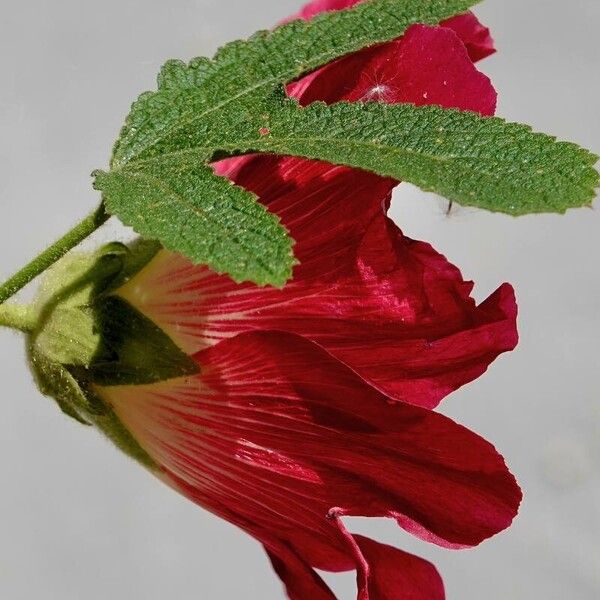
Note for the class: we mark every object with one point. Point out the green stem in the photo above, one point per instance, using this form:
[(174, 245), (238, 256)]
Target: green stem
[(53, 253), (17, 316)]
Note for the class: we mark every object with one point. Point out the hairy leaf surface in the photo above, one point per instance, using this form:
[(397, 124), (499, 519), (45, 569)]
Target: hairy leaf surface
[(207, 218), (160, 182)]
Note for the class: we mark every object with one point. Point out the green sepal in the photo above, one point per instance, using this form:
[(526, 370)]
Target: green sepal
[(87, 337), (65, 332), (99, 336), (69, 336), (139, 253), (132, 350), (78, 277), (54, 380), (79, 402)]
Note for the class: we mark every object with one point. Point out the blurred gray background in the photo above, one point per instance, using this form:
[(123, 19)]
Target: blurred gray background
[(80, 521)]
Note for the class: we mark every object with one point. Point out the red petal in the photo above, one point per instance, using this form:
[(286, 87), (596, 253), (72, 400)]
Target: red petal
[(422, 335), (428, 65), (383, 572), (397, 575), (393, 309), (278, 432)]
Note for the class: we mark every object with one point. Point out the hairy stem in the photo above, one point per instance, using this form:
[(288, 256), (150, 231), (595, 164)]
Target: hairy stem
[(53, 253)]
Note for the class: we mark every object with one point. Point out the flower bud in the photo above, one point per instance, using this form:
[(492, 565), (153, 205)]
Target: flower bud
[(86, 335)]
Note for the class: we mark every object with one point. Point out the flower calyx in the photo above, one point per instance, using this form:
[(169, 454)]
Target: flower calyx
[(86, 335)]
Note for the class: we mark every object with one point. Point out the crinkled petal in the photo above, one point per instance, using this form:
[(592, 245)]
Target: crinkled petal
[(423, 336), (394, 310), (279, 432)]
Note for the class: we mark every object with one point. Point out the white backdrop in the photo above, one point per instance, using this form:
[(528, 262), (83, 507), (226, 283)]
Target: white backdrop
[(80, 521)]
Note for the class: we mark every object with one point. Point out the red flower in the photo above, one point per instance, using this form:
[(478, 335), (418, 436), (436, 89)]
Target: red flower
[(294, 420), (392, 309), (281, 439)]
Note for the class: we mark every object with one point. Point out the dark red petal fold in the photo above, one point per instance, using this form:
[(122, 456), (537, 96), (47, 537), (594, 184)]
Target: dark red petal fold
[(383, 572), (397, 575)]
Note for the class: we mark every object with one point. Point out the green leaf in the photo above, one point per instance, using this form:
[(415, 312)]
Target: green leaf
[(244, 72), (205, 217), (476, 161), (161, 185), (54, 380), (132, 349), (178, 201)]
